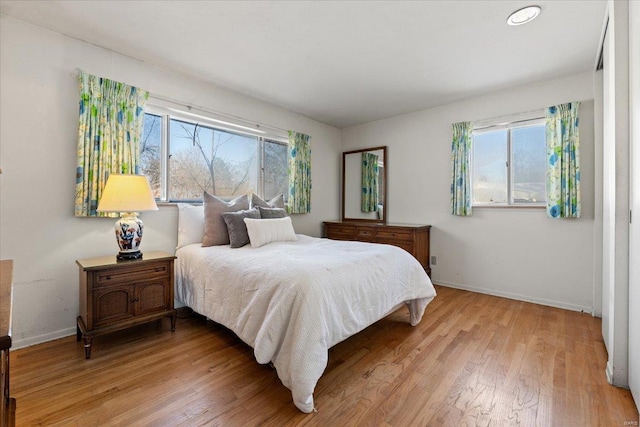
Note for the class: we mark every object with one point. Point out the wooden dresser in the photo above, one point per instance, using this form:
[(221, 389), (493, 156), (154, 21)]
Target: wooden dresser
[(118, 294), (7, 404), (412, 238)]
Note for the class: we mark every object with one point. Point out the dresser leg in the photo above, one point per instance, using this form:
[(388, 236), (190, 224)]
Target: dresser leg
[(87, 347), (173, 321)]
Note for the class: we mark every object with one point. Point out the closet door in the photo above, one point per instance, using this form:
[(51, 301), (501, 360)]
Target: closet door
[(634, 226)]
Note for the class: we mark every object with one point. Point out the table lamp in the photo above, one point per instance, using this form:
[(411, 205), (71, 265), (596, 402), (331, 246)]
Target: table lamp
[(128, 195)]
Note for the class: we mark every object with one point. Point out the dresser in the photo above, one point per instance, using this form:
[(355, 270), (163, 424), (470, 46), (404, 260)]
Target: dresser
[(7, 403), (412, 238), (115, 295)]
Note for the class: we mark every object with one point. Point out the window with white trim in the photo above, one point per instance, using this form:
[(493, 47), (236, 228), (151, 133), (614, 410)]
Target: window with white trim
[(508, 164), (184, 154)]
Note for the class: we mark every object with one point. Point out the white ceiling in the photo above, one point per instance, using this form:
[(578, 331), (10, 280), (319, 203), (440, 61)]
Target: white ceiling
[(339, 62)]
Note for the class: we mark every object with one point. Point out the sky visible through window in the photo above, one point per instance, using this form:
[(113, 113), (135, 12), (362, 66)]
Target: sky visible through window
[(491, 171)]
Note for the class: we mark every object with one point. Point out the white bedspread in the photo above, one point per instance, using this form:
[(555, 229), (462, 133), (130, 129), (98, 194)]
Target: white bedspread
[(292, 301)]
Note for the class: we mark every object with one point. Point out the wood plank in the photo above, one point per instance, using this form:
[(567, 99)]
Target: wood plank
[(474, 359)]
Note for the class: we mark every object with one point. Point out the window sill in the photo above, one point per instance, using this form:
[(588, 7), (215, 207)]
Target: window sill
[(509, 206), (164, 204)]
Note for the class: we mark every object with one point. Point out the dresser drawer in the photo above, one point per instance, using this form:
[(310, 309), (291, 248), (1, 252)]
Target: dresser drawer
[(407, 246), (340, 232), (144, 272), (365, 233), (390, 234)]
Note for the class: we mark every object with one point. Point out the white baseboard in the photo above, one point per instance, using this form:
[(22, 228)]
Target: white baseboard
[(39, 339), (519, 297)]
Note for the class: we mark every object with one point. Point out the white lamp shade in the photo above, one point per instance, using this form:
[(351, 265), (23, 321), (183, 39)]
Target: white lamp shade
[(127, 193)]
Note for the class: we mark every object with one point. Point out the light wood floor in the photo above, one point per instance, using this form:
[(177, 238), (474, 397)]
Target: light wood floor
[(474, 360)]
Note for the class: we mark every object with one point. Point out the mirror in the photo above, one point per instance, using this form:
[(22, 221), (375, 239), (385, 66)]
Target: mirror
[(364, 185)]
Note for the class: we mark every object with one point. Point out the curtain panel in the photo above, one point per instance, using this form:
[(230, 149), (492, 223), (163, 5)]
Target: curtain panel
[(110, 125), (369, 199), (299, 173), (563, 161), (460, 176)]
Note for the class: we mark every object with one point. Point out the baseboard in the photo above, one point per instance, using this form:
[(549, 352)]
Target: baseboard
[(39, 339), (519, 297)]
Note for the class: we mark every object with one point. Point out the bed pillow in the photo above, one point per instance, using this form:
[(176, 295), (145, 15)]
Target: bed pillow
[(276, 202), (270, 213), (190, 224), (238, 236), (263, 231), (215, 229)]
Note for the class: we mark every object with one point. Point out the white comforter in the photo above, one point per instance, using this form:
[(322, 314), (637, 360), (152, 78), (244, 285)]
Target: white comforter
[(292, 301)]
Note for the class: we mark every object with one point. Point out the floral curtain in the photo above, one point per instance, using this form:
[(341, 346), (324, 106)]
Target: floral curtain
[(369, 199), (563, 161), (460, 179), (110, 124), (299, 173)]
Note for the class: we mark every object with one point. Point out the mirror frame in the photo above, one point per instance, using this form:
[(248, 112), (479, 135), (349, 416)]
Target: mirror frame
[(385, 188)]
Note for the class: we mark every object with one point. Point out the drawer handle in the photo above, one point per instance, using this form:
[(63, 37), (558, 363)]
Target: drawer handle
[(135, 299), (157, 269), (108, 277)]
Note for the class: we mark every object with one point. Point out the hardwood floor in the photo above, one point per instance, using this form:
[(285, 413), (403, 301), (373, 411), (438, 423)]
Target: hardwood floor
[(474, 360)]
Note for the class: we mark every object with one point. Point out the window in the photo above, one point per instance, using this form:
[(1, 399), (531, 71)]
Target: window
[(508, 164), (184, 154)]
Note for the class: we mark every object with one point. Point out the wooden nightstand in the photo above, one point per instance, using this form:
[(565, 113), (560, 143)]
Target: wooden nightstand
[(115, 295)]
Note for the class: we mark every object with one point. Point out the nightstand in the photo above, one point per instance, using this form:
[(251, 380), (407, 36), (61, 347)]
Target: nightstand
[(115, 295)]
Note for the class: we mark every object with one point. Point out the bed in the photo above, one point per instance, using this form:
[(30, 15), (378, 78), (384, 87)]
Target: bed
[(293, 300)]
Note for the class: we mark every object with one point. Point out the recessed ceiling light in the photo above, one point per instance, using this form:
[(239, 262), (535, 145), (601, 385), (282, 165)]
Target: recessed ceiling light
[(524, 15)]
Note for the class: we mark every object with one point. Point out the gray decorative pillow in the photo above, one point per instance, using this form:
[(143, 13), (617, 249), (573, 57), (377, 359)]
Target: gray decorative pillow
[(269, 213), (238, 235), (215, 229), (276, 202)]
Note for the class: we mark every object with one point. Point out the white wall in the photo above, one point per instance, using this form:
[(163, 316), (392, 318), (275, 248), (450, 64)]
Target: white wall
[(38, 136), (513, 252)]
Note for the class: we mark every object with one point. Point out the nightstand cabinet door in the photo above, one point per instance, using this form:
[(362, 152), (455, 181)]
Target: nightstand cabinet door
[(113, 304), (152, 297)]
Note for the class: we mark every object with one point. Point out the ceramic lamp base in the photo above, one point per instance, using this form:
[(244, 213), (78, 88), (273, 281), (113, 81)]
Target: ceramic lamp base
[(129, 236)]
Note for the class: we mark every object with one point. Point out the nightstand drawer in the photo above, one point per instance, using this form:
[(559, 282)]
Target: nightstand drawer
[(395, 234), (146, 272)]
